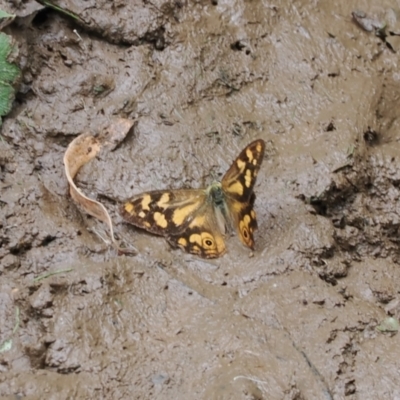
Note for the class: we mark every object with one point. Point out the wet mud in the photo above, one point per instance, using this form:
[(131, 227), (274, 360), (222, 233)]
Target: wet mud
[(297, 319)]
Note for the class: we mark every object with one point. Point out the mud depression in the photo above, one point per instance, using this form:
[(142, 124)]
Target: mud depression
[(310, 314)]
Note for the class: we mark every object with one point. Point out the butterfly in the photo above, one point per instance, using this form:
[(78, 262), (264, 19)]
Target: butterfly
[(197, 220)]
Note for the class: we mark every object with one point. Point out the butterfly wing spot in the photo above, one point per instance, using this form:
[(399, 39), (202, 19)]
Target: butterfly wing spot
[(195, 238), (203, 239), (249, 154), (128, 207), (236, 187), (246, 231), (206, 245), (164, 200), (180, 214), (240, 164), (254, 162), (253, 214), (248, 178), (142, 214), (199, 221), (146, 202), (244, 226), (182, 242), (160, 220), (195, 250), (201, 244)]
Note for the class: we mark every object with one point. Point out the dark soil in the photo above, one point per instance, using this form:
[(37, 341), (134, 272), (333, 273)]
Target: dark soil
[(298, 318)]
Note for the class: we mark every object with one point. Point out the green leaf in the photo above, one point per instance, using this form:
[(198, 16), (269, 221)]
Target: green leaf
[(4, 14), (9, 74)]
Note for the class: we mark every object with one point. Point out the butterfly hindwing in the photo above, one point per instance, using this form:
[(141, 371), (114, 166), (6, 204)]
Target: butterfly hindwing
[(244, 219), (202, 236)]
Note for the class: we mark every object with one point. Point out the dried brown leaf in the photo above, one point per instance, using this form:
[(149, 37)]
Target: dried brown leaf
[(79, 152)]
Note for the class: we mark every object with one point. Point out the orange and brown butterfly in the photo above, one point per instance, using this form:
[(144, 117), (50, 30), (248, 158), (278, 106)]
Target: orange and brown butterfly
[(198, 219)]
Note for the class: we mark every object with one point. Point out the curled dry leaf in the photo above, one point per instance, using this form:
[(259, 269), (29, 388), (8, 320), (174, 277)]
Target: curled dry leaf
[(79, 152)]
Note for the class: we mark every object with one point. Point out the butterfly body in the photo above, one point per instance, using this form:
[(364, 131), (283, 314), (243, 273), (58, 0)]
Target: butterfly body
[(197, 219)]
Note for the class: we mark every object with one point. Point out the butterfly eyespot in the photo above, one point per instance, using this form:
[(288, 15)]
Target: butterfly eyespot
[(208, 242), (245, 233)]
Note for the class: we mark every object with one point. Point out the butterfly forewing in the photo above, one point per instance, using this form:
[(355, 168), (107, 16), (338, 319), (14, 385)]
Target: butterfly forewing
[(239, 181), (164, 212), (238, 185)]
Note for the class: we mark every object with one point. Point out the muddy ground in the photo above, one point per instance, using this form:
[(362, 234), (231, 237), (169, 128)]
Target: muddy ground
[(297, 319)]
